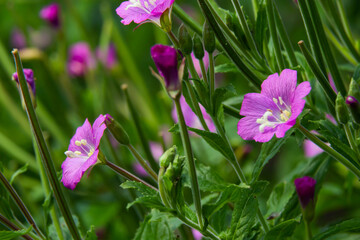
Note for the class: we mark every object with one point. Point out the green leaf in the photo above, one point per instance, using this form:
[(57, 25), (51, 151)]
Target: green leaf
[(91, 235), (356, 75), (8, 235), (175, 128), (216, 142), (279, 198), (282, 230), (18, 172), (226, 68), (352, 225), (268, 151), (155, 226), (261, 27), (64, 229), (220, 95)]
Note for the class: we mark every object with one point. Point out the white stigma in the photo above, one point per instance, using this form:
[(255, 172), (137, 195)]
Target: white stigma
[(264, 121)]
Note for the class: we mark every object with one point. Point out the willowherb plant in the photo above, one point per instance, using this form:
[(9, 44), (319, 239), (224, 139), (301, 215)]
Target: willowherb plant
[(230, 167)]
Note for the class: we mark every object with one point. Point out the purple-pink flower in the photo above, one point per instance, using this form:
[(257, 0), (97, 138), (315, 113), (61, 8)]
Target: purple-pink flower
[(29, 77), (197, 235), (166, 61), (156, 150), (140, 170), (83, 151), (275, 109), (197, 63), (108, 56), (190, 117), (17, 39), (141, 11), (305, 188), (80, 59), (51, 14)]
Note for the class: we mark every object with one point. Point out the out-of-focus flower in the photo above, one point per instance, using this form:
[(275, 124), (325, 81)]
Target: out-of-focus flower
[(166, 61), (51, 14), (156, 150), (139, 170), (275, 109), (197, 235), (311, 149), (29, 77), (332, 83), (83, 151), (17, 39), (80, 59), (141, 11), (305, 188), (197, 63), (190, 117), (108, 57)]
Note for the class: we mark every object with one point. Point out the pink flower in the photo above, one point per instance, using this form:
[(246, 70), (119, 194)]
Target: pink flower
[(190, 117), (275, 109), (197, 63), (80, 59), (108, 57), (156, 150), (197, 235), (141, 11), (29, 77), (51, 14), (305, 188), (17, 39), (140, 170), (83, 151), (311, 149)]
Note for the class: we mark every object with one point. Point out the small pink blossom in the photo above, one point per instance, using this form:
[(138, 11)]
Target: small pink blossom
[(141, 11), (108, 57), (305, 188), (275, 109), (29, 77), (197, 235), (140, 170), (197, 63), (83, 151), (190, 117), (156, 150), (51, 14), (80, 59)]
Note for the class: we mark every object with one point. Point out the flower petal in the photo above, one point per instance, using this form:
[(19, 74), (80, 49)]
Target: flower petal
[(248, 128), (256, 104), (280, 86), (130, 14), (98, 130), (302, 90), (74, 169), (83, 132)]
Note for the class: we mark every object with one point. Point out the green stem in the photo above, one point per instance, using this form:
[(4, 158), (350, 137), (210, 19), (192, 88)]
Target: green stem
[(329, 150), (325, 47), (6, 222), (255, 6), (203, 71), (189, 156), (47, 191), (143, 139), (187, 19), (212, 76), (273, 33), (21, 205), (173, 39), (128, 175), (351, 140), (45, 154), (308, 230), (234, 112), (143, 162)]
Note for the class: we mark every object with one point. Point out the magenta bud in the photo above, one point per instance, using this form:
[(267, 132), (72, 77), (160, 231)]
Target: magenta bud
[(80, 59), (29, 76), (107, 56), (305, 188), (51, 14), (166, 61)]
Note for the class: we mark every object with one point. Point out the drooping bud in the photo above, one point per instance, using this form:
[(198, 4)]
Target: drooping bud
[(185, 41), (117, 130), (209, 38), (342, 113), (198, 48), (166, 61), (354, 107), (30, 80), (305, 188), (51, 14)]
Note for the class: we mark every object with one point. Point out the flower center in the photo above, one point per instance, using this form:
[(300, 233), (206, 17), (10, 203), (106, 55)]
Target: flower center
[(88, 150), (273, 118)]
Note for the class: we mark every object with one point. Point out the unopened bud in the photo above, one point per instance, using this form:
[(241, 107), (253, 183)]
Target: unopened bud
[(305, 188), (354, 89), (198, 47), (117, 130), (342, 113), (165, 21), (209, 38), (168, 157), (354, 107), (185, 40)]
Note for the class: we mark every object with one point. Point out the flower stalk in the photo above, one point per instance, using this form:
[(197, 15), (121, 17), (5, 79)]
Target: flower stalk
[(44, 152), (143, 162), (13, 227)]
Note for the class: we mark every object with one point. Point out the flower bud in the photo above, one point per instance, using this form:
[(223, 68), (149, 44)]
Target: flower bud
[(185, 40), (80, 59), (354, 106), (342, 113), (354, 89), (51, 14), (117, 130), (209, 38), (198, 48), (165, 20), (30, 80), (168, 157), (305, 188)]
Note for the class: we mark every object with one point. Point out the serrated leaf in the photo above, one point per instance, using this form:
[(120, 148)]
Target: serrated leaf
[(18, 172), (268, 151), (175, 128), (352, 225), (226, 68), (91, 235), (9, 235), (282, 230), (279, 198), (216, 142), (141, 188), (155, 226)]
